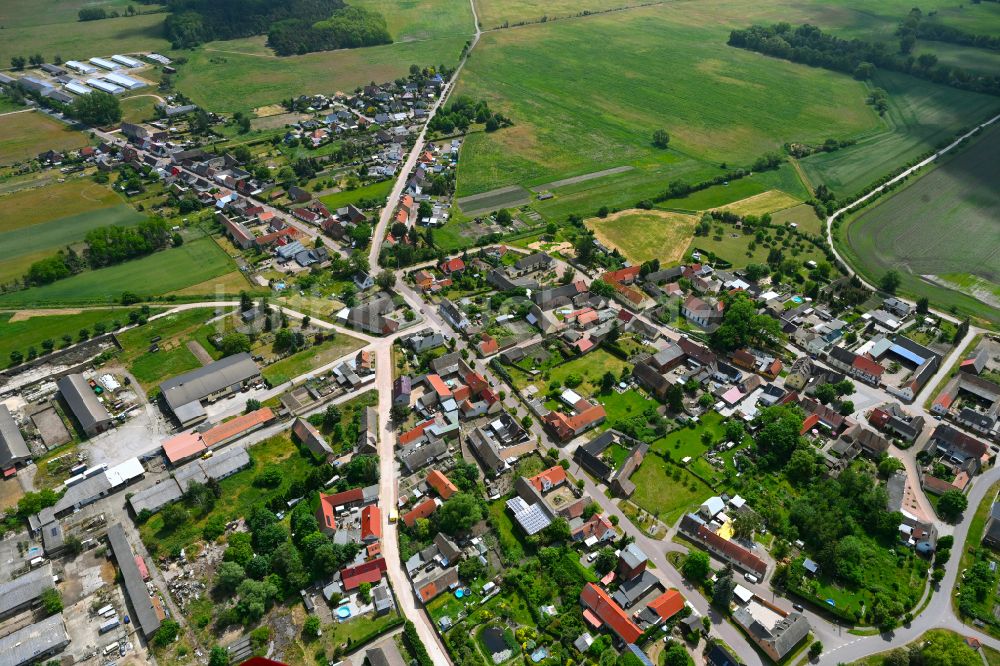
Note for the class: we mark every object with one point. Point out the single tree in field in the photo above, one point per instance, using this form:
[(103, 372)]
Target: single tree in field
[(890, 282), (661, 139)]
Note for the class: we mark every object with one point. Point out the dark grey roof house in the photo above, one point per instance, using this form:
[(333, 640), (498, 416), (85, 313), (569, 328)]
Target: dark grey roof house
[(185, 393), (135, 586), (13, 450)]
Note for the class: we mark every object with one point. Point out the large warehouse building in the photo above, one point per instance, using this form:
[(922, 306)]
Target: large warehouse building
[(81, 400), (185, 393)]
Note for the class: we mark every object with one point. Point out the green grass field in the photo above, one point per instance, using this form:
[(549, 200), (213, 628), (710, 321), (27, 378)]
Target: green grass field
[(243, 74), (69, 38), (378, 191), (26, 208), (309, 359), (666, 490), (173, 357), (943, 222), (642, 235), (921, 116), (611, 80), (195, 262), (138, 109), (25, 135), (27, 332)]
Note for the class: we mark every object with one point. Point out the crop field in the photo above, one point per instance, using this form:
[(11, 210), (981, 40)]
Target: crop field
[(494, 13), (505, 197), (25, 135), (921, 116), (941, 223), (766, 202), (642, 235), (69, 38), (240, 74), (717, 103), (195, 262), (379, 191), (36, 223)]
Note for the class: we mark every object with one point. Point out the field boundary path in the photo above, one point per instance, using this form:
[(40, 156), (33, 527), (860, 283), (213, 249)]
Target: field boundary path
[(573, 180), (881, 188)]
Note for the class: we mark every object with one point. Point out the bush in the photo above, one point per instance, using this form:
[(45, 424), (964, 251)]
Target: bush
[(51, 601), (166, 634), (415, 646)]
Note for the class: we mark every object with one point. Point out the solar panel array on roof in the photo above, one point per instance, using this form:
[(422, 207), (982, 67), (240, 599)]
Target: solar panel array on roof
[(532, 518)]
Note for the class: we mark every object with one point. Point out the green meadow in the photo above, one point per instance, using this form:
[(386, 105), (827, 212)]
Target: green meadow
[(243, 74), (195, 262)]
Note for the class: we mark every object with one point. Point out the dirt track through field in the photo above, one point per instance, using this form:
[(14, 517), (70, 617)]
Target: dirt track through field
[(24, 315), (199, 352), (580, 179)]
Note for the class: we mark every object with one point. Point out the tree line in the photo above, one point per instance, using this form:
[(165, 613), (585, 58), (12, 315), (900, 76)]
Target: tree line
[(347, 28), (106, 246), (193, 22), (916, 26), (809, 45)]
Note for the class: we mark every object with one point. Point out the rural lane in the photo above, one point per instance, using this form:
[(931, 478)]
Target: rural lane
[(881, 188)]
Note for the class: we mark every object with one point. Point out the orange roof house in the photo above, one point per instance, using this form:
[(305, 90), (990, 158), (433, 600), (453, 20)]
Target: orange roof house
[(371, 523), (551, 478), (667, 604), (442, 484), (414, 433), (488, 345), (367, 572), (566, 427), (422, 510), (609, 613), (454, 265), (439, 387)]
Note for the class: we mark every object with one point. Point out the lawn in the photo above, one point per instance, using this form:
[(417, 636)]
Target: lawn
[(315, 356), (580, 114), (666, 490), (19, 331), (642, 235), (589, 369), (802, 215), (175, 331), (624, 405), (240, 494), (379, 191), (733, 246), (195, 262), (784, 178), (921, 116), (687, 441), (417, 20), (36, 223), (941, 223), (25, 135), (138, 109)]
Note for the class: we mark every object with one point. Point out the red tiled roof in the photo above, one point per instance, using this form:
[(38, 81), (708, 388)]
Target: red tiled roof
[(328, 505), (422, 510), (452, 265), (367, 572), (808, 423), (439, 386), (477, 383), (554, 476), (667, 604), (415, 433), (237, 426), (867, 365), (371, 522), (609, 613), (732, 550), (878, 418), (442, 484), (488, 345)]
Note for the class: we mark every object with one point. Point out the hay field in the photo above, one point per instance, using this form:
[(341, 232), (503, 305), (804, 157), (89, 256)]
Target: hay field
[(766, 202), (25, 135), (642, 235), (940, 224)]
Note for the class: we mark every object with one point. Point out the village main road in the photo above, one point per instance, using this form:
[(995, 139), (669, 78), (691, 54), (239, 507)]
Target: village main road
[(411, 160)]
